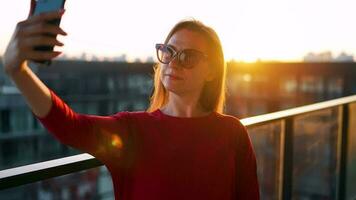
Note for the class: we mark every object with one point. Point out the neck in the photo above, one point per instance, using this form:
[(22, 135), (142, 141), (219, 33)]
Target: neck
[(183, 106)]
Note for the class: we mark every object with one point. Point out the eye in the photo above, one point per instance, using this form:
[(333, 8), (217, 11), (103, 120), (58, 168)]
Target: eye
[(189, 58), (170, 50)]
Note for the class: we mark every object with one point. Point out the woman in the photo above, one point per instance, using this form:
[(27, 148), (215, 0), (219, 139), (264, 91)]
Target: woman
[(182, 147)]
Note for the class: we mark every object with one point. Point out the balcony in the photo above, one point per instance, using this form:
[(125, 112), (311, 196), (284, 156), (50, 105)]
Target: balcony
[(306, 152)]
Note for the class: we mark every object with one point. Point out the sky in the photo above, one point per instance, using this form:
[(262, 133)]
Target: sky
[(283, 30)]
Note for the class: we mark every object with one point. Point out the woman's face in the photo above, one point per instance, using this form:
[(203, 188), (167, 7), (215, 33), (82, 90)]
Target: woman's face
[(192, 80)]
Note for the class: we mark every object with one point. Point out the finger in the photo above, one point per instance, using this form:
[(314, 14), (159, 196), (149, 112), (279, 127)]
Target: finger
[(31, 42), (44, 17), (32, 8), (42, 28), (45, 55)]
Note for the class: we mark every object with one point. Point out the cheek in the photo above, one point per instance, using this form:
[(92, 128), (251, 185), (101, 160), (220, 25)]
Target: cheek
[(164, 79), (199, 74), (195, 79), (161, 76)]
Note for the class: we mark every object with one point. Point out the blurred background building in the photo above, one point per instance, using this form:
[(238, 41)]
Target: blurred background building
[(105, 88)]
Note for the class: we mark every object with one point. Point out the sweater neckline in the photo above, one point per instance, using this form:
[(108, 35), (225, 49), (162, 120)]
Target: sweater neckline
[(165, 116)]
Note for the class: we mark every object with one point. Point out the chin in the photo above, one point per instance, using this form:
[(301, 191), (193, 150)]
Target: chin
[(174, 90), (177, 89)]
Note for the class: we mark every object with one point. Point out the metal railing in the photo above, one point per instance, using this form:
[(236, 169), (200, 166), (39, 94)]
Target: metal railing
[(44, 170), (287, 118)]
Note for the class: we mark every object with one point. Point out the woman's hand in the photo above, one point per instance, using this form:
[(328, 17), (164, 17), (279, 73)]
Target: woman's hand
[(28, 34)]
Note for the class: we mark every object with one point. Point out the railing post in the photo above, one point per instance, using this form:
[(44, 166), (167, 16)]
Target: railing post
[(343, 131), (288, 159)]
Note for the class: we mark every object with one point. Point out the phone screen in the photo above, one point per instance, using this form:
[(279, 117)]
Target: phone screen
[(48, 5)]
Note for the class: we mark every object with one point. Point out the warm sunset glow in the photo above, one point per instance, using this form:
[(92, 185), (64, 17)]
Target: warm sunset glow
[(249, 30), (247, 77)]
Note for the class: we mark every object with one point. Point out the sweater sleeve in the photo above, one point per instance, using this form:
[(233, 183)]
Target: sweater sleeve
[(100, 136), (246, 180)]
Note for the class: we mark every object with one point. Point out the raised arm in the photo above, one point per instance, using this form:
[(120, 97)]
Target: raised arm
[(103, 137), (30, 33)]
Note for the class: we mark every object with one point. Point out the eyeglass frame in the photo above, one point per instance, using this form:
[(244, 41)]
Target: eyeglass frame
[(177, 53)]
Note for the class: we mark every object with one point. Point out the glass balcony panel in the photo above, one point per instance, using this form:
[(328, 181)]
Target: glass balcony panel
[(351, 154), (315, 155)]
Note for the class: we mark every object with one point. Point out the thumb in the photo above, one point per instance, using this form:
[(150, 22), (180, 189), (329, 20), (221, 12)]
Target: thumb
[(32, 8)]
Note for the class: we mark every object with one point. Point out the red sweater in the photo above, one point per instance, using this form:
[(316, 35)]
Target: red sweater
[(155, 156)]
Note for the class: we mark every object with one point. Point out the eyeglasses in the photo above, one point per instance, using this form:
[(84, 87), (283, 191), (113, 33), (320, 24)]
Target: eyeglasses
[(187, 58)]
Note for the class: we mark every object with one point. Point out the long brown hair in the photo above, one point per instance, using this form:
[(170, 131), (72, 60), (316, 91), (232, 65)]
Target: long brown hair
[(212, 97)]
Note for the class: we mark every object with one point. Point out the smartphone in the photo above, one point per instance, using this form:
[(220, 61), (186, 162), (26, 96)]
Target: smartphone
[(47, 6)]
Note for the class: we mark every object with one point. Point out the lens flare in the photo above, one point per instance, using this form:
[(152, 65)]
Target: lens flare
[(116, 141)]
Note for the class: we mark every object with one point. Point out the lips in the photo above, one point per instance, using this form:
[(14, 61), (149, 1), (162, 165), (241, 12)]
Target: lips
[(174, 76)]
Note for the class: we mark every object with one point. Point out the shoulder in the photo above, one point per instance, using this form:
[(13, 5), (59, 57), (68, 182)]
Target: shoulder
[(133, 115), (121, 114), (238, 130), (232, 121)]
